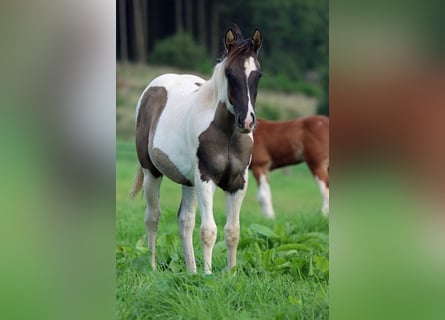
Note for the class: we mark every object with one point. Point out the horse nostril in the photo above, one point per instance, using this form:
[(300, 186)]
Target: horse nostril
[(252, 124), (240, 123)]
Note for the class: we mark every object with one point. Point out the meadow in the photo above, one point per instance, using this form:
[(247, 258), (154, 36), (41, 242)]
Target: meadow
[(283, 264)]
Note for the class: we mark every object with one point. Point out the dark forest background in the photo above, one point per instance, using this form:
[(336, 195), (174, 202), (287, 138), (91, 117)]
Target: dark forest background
[(188, 34)]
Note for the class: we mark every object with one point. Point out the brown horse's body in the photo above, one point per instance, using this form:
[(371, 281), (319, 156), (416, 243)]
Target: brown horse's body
[(282, 143)]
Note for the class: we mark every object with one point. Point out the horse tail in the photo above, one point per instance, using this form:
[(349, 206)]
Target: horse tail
[(138, 182)]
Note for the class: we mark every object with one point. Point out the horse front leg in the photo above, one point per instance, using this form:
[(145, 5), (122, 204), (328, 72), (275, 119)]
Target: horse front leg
[(186, 221), (232, 227), (205, 191)]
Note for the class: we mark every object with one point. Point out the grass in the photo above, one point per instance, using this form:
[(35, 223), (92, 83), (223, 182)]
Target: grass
[(282, 270)]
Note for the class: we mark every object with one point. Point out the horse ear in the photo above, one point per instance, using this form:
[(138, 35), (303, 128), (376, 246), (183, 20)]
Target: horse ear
[(257, 39), (229, 39)]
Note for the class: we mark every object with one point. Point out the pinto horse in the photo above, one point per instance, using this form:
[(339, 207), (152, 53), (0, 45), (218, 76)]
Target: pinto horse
[(199, 134), (281, 143)]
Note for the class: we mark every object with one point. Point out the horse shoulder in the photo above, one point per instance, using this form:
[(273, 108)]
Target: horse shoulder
[(222, 156)]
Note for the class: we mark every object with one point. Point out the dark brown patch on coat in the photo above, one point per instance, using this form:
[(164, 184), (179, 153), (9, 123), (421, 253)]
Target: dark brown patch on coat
[(223, 152), (152, 104), (168, 167)]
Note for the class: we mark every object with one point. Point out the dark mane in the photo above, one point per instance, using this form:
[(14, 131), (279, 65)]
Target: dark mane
[(240, 47), (237, 32)]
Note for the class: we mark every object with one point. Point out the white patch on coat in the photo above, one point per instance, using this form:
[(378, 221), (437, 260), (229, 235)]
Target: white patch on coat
[(205, 191), (176, 117), (249, 66), (324, 190), (265, 197)]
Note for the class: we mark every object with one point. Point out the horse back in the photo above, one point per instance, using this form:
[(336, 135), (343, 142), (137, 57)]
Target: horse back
[(282, 143)]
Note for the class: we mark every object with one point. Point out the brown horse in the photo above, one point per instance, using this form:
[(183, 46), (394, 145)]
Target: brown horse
[(281, 143)]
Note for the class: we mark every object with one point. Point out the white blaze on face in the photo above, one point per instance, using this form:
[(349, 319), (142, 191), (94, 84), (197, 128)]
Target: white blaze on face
[(249, 66)]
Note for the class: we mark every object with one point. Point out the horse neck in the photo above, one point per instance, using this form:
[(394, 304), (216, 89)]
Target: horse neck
[(213, 94), (217, 84)]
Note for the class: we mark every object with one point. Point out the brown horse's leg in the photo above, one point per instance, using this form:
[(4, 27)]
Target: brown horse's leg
[(320, 171), (264, 193)]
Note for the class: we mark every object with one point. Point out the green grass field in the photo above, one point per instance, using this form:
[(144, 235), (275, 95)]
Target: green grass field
[(282, 270)]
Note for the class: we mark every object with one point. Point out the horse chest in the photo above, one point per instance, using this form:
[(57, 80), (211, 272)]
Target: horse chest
[(224, 157)]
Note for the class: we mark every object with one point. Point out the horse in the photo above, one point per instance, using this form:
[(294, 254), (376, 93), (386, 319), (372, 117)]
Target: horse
[(282, 143), (199, 134)]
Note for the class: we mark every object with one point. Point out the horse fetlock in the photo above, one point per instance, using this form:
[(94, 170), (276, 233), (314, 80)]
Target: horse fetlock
[(153, 262), (325, 209), (186, 223)]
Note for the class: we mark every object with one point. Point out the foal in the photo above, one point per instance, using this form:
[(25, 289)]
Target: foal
[(281, 143), (199, 134)]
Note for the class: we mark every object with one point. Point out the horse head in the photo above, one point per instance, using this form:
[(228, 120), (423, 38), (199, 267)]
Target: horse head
[(242, 72)]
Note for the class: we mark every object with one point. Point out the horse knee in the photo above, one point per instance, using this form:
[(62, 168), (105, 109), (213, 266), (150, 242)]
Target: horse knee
[(186, 225), (231, 235), (151, 219), (208, 235)]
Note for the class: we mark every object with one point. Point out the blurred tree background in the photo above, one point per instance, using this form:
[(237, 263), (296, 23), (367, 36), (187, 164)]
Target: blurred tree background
[(188, 34)]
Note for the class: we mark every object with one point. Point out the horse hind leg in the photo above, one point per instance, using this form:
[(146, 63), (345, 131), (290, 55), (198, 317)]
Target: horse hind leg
[(186, 221), (321, 175), (152, 211), (264, 194)]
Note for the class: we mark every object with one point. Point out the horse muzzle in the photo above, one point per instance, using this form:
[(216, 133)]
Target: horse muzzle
[(248, 124)]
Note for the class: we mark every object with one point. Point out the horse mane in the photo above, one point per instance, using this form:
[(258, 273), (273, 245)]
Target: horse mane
[(216, 82), (241, 46), (237, 31)]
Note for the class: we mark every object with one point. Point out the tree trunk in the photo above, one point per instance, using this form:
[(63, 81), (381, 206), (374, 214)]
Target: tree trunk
[(202, 30), (189, 16), (178, 17), (215, 36), (139, 31), (144, 16), (123, 31)]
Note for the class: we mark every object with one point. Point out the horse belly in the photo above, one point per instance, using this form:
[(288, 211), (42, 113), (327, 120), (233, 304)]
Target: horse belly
[(170, 152)]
